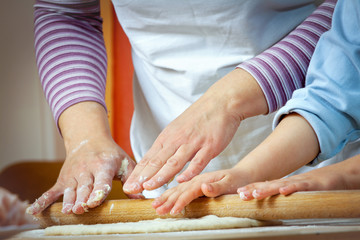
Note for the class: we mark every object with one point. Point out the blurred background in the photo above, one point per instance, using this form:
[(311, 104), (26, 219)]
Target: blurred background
[(31, 148), (27, 129)]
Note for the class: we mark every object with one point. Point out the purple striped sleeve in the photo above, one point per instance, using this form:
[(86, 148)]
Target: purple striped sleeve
[(70, 52), (281, 69)]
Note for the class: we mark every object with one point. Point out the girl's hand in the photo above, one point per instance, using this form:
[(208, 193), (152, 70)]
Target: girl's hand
[(210, 184)]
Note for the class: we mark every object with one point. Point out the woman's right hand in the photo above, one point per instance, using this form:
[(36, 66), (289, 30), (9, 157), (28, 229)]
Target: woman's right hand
[(93, 160)]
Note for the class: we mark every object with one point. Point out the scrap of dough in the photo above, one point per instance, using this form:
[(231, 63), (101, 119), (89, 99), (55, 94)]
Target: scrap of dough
[(157, 225)]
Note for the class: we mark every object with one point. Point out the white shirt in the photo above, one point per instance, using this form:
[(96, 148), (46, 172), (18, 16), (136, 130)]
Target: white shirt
[(180, 48)]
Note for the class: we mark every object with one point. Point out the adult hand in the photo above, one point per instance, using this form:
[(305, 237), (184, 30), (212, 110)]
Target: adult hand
[(93, 159), (200, 133)]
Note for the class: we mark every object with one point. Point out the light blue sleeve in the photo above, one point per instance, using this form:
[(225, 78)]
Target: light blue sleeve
[(330, 100)]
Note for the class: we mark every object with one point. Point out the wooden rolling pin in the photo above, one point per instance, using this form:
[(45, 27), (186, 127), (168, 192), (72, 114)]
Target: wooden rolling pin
[(301, 205)]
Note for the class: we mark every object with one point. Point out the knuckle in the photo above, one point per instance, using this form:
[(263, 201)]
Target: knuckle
[(304, 185), (198, 164), (85, 187), (173, 162), (155, 162), (143, 162), (103, 176)]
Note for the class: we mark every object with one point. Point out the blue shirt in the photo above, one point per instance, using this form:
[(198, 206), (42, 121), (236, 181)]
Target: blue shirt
[(330, 100)]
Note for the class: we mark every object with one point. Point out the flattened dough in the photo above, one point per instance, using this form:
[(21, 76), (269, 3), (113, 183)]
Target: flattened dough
[(157, 225)]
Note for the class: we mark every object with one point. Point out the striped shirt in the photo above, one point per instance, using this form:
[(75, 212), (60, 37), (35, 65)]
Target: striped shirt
[(71, 56), (282, 68)]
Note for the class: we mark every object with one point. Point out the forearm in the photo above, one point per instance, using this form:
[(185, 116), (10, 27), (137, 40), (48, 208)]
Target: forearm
[(281, 69), (70, 52), (331, 96), (292, 144), (239, 94)]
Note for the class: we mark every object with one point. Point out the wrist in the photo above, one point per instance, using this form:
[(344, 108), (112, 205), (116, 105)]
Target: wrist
[(84, 122), (243, 97)]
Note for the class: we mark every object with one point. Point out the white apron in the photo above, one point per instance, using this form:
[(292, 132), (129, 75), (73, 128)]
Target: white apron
[(180, 48)]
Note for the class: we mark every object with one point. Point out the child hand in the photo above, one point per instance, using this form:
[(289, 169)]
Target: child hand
[(210, 184), (326, 178)]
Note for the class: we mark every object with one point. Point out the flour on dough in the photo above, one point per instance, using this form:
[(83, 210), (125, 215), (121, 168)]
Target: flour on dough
[(157, 225)]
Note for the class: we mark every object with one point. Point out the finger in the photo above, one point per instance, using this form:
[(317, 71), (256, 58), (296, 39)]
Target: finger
[(296, 187), (175, 199), (68, 200), (185, 198), (245, 193), (158, 201), (265, 189), (141, 165), (131, 186), (197, 164), (163, 197), (261, 194), (102, 187), (171, 168), (286, 190), (45, 200), (134, 184), (136, 196), (217, 188), (184, 193), (167, 205), (69, 196), (84, 188), (261, 190), (130, 167), (126, 168)]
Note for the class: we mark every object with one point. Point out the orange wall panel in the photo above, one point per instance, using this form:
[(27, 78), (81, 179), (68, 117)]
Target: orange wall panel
[(122, 88)]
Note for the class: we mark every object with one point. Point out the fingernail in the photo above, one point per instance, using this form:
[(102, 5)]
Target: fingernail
[(181, 178), (84, 206), (133, 187), (176, 212), (99, 196), (33, 208), (210, 188), (255, 194), (149, 184), (172, 212), (30, 210), (155, 203), (142, 179), (126, 187), (243, 195), (66, 208)]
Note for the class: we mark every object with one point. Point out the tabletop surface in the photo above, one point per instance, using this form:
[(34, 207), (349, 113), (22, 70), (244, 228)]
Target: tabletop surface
[(296, 229)]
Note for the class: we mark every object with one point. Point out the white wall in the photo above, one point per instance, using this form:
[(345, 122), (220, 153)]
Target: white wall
[(27, 130)]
